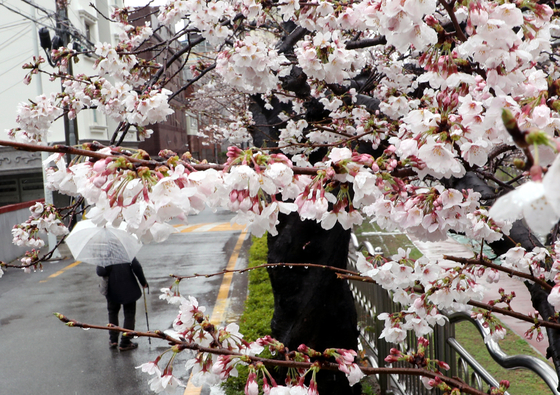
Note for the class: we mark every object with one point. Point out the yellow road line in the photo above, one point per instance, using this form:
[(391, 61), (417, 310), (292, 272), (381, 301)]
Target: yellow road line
[(227, 226), (210, 227), (192, 228), (191, 389), (219, 311), (70, 266)]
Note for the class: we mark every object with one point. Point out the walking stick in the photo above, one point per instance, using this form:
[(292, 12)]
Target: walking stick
[(146, 310)]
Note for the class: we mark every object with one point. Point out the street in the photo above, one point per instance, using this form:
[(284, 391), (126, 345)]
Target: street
[(40, 355)]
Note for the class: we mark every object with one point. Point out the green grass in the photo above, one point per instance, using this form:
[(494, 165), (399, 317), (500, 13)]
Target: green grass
[(259, 306), (522, 382)]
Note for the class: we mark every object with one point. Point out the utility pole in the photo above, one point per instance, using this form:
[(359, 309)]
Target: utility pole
[(47, 192), (62, 38), (62, 30)]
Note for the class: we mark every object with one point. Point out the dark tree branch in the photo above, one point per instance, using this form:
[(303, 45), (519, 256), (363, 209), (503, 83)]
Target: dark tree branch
[(325, 365), (193, 81), (366, 42), (288, 43), (491, 265)]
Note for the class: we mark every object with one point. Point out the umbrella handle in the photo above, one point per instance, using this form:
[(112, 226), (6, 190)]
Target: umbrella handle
[(146, 310)]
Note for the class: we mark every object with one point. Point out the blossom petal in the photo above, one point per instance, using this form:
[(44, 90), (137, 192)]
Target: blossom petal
[(551, 184), (540, 216), (510, 206)]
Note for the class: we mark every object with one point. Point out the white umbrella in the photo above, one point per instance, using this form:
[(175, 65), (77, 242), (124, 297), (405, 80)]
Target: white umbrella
[(102, 246)]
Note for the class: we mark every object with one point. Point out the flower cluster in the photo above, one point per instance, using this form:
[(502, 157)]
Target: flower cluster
[(44, 218), (35, 119), (110, 62), (425, 289), (326, 58), (252, 66), (193, 327), (206, 17)]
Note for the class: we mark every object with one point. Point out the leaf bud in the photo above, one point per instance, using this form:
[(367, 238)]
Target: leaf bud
[(519, 163), (511, 126)]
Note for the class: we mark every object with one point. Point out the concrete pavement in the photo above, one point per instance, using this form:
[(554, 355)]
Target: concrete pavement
[(39, 355)]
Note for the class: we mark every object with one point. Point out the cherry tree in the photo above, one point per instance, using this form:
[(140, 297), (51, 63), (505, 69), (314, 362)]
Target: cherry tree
[(426, 117)]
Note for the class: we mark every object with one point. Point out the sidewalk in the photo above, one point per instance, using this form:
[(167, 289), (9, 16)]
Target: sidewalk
[(521, 303)]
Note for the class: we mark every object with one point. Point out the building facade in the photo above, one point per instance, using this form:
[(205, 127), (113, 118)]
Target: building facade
[(21, 172), (21, 176)]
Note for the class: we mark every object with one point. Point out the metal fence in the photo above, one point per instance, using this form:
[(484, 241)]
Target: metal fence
[(371, 299)]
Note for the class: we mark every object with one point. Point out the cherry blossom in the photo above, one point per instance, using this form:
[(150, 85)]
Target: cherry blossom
[(535, 201), (381, 111)]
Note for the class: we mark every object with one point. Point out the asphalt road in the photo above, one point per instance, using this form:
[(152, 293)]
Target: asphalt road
[(40, 355)]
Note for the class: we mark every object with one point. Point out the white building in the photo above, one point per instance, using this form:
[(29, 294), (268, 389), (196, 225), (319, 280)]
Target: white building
[(20, 20)]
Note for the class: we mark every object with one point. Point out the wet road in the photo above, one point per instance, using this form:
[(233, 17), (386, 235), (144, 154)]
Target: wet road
[(39, 355)]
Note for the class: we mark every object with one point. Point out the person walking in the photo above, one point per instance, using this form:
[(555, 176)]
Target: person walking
[(123, 290)]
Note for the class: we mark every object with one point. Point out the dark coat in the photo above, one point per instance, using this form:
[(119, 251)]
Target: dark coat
[(123, 287)]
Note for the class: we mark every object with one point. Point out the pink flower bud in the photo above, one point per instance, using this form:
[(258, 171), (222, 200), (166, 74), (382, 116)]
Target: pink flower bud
[(100, 166), (99, 181), (443, 365), (391, 359), (303, 348)]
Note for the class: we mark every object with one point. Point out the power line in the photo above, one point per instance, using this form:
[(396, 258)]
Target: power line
[(44, 10), (15, 37), (26, 52), (7, 89), (10, 69), (23, 15), (72, 30), (13, 25)]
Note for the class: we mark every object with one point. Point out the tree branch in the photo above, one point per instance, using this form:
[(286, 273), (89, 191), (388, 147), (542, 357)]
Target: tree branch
[(183, 345), (449, 8), (366, 42), (488, 263)]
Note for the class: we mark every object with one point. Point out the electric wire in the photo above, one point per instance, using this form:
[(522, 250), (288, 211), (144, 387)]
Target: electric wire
[(15, 37), (18, 65), (37, 6), (23, 14), (25, 52), (67, 25), (13, 25), (7, 89)]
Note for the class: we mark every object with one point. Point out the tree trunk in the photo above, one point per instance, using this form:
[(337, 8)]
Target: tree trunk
[(312, 306)]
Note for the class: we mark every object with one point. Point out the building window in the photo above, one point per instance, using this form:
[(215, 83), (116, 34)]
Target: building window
[(192, 124), (89, 23), (89, 32)]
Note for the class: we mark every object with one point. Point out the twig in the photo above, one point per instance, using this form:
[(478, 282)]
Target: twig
[(523, 317), (267, 265), (183, 345), (512, 272), (59, 148), (494, 178), (191, 82)]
